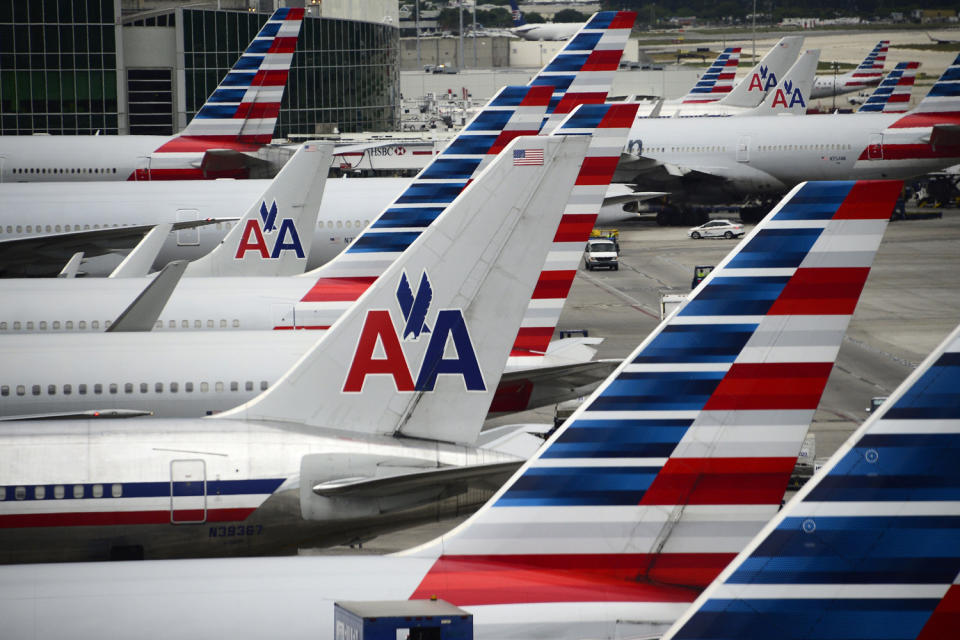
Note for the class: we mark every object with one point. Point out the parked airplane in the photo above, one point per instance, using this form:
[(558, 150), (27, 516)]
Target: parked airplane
[(892, 95), (942, 40), (867, 74), (870, 546), (221, 141), (541, 31), (380, 393), (792, 93), (717, 80), (610, 530), (698, 160)]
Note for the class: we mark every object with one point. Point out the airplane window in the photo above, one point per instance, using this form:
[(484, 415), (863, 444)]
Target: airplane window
[(29, 325), (263, 385), (35, 389), (236, 324), (95, 324), (19, 228), (58, 492), (86, 226), (9, 228), (68, 325), (128, 387), (113, 387), (144, 387), (234, 386), (39, 493), (116, 490), (347, 224), (78, 491), (158, 387), (21, 390), (218, 387), (198, 324), (209, 324), (223, 324), (5, 390), (188, 387), (3, 493), (366, 222), (57, 228), (67, 389), (329, 224), (16, 325), (98, 388), (96, 226), (56, 324), (43, 325), (20, 493), (98, 491), (114, 169), (249, 385), (172, 324), (185, 324), (82, 389), (30, 228), (204, 387), (3, 326), (356, 223)]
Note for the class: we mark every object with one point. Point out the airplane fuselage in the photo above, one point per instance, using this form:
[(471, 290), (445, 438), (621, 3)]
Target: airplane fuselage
[(79, 490), (766, 156), (547, 30)]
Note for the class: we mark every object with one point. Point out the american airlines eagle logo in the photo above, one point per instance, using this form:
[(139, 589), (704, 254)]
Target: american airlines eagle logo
[(380, 350), (763, 80), (256, 232), (787, 96)]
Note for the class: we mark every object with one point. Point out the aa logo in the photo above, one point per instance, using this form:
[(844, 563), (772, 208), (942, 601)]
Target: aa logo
[(257, 231), (380, 350), (787, 96), (763, 80)]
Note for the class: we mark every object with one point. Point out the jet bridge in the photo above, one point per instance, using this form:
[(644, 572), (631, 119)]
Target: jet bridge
[(401, 619)]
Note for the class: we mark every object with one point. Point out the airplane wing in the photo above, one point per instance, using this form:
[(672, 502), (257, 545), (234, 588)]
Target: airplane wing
[(218, 161), (45, 256), (147, 307), (621, 193), (648, 173), (80, 415), (438, 478)]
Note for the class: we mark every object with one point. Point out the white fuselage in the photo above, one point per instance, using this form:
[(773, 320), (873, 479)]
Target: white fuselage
[(75, 158), (548, 30), (30, 210), (829, 85), (79, 490), (768, 155)]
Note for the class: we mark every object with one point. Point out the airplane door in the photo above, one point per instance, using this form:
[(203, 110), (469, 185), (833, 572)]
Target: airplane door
[(141, 170), (743, 149), (188, 491), (875, 147), (188, 237)]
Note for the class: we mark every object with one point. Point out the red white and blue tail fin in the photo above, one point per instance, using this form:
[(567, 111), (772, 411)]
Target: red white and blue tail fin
[(872, 65), (752, 89), (274, 237), (671, 467), (420, 353), (892, 95), (718, 80), (944, 96), (609, 126), (870, 547), (582, 72), (792, 93), (244, 108)]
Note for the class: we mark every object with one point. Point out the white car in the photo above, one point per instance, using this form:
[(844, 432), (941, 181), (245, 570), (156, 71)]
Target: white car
[(717, 229)]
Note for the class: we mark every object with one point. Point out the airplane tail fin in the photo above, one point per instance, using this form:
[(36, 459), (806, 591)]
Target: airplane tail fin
[(426, 343), (875, 60), (274, 237), (792, 93), (244, 108), (943, 98), (659, 479), (892, 95), (718, 80), (609, 125), (870, 546), (516, 14), (751, 90), (582, 72)]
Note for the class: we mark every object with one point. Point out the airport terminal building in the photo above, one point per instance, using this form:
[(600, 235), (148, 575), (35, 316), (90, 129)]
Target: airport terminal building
[(145, 67)]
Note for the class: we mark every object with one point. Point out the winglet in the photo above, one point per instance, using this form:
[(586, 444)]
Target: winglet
[(423, 359), (147, 307), (138, 262), (274, 236)]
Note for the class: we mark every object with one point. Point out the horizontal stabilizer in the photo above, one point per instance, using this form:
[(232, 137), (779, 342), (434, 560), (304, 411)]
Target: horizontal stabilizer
[(138, 262), (411, 482), (89, 414), (72, 267)]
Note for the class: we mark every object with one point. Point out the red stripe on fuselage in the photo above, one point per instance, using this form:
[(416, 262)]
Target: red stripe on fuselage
[(338, 289), (720, 481), (187, 144), (519, 579), (112, 518), (770, 386), (185, 174)]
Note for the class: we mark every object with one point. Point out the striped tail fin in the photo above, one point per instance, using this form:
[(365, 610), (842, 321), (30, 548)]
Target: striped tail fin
[(582, 72), (875, 59), (244, 108), (671, 467), (513, 112), (892, 95), (870, 547), (944, 96), (718, 79), (609, 125)]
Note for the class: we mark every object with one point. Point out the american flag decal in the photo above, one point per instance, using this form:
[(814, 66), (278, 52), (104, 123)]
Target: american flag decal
[(527, 157)]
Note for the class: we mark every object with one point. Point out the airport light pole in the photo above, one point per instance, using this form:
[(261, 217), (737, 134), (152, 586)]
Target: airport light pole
[(417, 25), (460, 40), (476, 63), (754, 54)]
